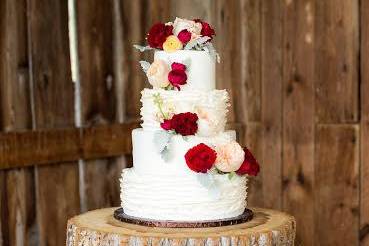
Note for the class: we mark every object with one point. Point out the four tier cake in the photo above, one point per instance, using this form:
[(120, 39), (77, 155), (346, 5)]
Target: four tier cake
[(186, 166)]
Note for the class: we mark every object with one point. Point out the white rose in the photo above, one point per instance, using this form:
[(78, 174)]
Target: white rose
[(208, 123), (157, 74), (191, 26), (229, 157)]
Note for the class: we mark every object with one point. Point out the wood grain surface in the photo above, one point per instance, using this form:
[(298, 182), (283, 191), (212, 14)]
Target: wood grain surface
[(57, 186), (364, 126), (95, 42), (18, 191), (98, 227), (336, 185), (25, 148), (298, 115), (296, 72), (337, 43), (271, 96)]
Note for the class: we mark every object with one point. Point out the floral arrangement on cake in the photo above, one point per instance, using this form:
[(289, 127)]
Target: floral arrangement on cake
[(229, 158), (182, 34), (161, 75), (221, 158)]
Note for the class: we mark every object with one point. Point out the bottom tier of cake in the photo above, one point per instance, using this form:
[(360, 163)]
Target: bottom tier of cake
[(194, 197)]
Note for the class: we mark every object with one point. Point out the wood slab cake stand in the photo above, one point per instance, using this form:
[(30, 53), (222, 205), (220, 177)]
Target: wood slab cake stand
[(99, 228)]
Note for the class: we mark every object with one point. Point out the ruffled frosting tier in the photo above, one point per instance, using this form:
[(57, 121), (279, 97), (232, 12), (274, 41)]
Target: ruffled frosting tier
[(182, 197), (211, 107)]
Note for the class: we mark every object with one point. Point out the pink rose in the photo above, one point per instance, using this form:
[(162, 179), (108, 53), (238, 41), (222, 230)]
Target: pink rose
[(179, 66), (157, 74), (177, 77), (229, 157), (182, 24), (184, 36), (166, 124)]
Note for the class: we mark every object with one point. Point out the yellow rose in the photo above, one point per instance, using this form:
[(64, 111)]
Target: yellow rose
[(172, 43)]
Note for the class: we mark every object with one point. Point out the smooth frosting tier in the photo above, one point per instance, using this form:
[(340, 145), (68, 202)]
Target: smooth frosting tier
[(171, 196), (200, 68), (211, 108), (147, 160)]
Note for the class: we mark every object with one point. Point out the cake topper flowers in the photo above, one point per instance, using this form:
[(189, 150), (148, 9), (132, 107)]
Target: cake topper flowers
[(181, 34)]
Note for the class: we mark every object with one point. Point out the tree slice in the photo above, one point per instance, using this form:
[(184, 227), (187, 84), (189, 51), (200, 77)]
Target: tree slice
[(99, 228)]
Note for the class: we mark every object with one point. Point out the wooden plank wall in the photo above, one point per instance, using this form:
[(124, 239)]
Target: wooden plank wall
[(296, 70)]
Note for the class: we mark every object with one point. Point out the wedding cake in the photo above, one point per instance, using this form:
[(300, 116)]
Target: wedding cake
[(186, 166)]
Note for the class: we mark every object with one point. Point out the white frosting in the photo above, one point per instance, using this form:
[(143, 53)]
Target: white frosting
[(200, 68), (147, 160), (168, 190), (211, 107), (166, 196)]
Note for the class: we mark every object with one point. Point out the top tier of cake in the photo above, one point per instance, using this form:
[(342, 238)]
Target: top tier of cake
[(200, 68)]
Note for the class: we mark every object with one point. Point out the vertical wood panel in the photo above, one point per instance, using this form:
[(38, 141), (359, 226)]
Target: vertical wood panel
[(364, 195), (271, 96), (18, 184), (3, 225), (337, 46), (248, 104), (336, 185), (95, 42), (57, 187), (133, 77), (226, 19), (298, 116)]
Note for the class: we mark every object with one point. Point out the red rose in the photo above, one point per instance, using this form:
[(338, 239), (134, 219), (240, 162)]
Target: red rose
[(206, 29), (185, 123), (158, 34), (184, 36), (177, 77), (166, 125), (179, 66), (200, 158), (250, 165)]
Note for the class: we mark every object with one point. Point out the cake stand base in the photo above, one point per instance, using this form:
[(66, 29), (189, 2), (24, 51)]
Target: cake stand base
[(121, 216), (100, 228)]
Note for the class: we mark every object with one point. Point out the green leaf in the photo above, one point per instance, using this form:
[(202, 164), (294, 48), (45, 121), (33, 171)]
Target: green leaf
[(231, 175), (161, 140), (142, 48), (144, 65), (166, 154)]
